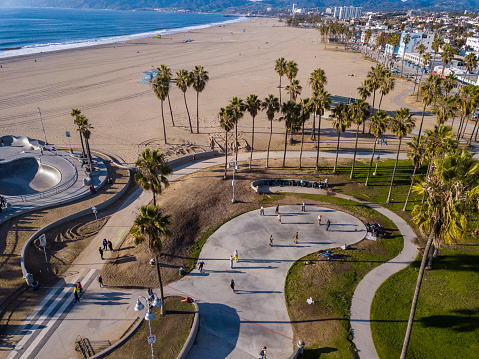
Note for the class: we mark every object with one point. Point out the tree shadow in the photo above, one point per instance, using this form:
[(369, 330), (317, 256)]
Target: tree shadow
[(316, 353), (466, 321)]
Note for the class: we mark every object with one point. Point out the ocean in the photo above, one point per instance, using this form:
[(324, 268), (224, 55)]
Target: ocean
[(33, 30)]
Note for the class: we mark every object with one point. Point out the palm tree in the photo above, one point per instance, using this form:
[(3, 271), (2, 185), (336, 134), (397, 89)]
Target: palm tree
[(291, 112), (238, 107), (373, 80), (359, 112), (471, 63), (305, 106), (271, 106), (449, 83), (401, 126), (387, 85), (421, 49), (377, 125), (150, 225), (320, 102), (467, 95), (253, 105), (447, 56), (430, 89), (152, 172), (363, 90), (416, 154), (183, 81), (226, 122), (446, 109), (75, 114), (436, 44), (451, 195), (294, 89), (199, 78), (426, 60), (161, 87), (280, 68), (85, 128), (165, 71), (291, 70), (317, 80), (405, 41), (341, 122)]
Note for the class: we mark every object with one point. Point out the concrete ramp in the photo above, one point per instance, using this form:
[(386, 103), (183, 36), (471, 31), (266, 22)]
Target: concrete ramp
[(27, 176), (19, 141)]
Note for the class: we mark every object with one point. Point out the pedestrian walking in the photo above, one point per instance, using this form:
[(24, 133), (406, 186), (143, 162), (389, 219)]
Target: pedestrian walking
[(277, 209), (279, 218), (271, 240), (101, 252), (231, 261), (235, 254), (232, 285), (76, 292), (105, 244), (100, 280), (320, 217), (295, 239), (328, 223), (303, 207), (263, 353), (200, 266), (261, 211), (80, 288), (110, 246)]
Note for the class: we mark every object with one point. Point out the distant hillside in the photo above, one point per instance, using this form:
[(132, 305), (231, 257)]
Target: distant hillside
[(218, 5)]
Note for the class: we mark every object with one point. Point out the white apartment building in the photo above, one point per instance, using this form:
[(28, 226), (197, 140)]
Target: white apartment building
[(417, 38), (414, 58), (473, 42), (347, 12)]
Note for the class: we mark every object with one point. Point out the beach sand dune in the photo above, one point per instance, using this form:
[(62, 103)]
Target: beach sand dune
[(126, 116)]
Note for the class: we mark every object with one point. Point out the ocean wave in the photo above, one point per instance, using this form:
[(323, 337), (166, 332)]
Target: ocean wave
[(48, 47)]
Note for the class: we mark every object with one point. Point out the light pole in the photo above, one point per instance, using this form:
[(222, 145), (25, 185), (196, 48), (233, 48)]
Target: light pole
[(382, 141), (235, 167), (43, 128), (149, 316)]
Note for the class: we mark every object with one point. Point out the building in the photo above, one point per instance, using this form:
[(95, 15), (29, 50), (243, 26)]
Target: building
[(473, 43), (417, 38), (347, 12)]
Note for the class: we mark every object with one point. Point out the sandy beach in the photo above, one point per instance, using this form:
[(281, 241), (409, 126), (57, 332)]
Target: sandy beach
[(126, 116)]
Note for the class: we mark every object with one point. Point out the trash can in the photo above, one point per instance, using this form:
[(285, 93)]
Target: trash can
[(35, 285), (29, 279), (182, 271)]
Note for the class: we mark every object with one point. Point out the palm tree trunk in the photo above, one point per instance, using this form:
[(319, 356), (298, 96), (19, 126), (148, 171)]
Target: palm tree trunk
[(313, 134), (301, 150), (162, 296), (188, 112), (410, 188), (417, 94), (394, 172), (337, 152), (416, 296), (460, 126), (431, 255), (285, 145), (226, 152), (236, 141), (355, 150), (154, 196), (163, 118), (90, 163), (415, 82), (171, 111), (197, 118), (402, 61), (82, 146), (269, 143), (317, 146), (280, 89), (371, 163), (473, 130), (464, 127), (380, 100), (422, 120), (252, 145)]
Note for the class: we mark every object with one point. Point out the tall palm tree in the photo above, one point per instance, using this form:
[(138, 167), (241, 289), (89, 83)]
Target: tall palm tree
[(271, 106), (238, 108), (377, 125), (165, 71), (199, 78), (359, 112), (75, 114), (430, 89), (426, 60), (447, 56), (421, 49), (294, 89), (149, 226), (436, 45), (320, 102), (471, 62), (152, 172), (467, 96), (446, 109), (85, 128), (387, 85), (183, 81), (373, 80), (317, 81), (161, 87), (416, 154), (451, 192), (290, 111), (449, 83), (291, 70), (305, 105), (226, 116), (280, 68), (405, 41), (341, 122), (252, 105), (401, 126), (363, 90)]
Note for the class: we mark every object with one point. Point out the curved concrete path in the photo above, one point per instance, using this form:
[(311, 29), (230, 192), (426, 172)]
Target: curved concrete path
[(239, 325)]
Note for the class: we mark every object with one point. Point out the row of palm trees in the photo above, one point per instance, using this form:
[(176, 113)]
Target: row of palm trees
[(184, 79), (84, 129)]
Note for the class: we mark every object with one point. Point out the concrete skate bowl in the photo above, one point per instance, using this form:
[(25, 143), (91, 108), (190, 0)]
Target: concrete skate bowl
[(26, 176), (21, 142)]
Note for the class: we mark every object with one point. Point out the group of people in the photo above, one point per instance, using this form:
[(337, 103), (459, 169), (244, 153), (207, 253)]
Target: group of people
[(373, 228), (106, 245)]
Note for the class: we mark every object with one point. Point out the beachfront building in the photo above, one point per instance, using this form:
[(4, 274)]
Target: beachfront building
[(473, 43), (417, 38), (347, 12), (413, 58), (390, 50)]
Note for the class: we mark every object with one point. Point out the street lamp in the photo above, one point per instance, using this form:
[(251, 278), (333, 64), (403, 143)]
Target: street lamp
[(235, 167), (149, 316), (382, 141), (43, 128)]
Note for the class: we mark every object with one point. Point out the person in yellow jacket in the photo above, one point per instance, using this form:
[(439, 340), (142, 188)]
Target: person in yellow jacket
[(76, 293)]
